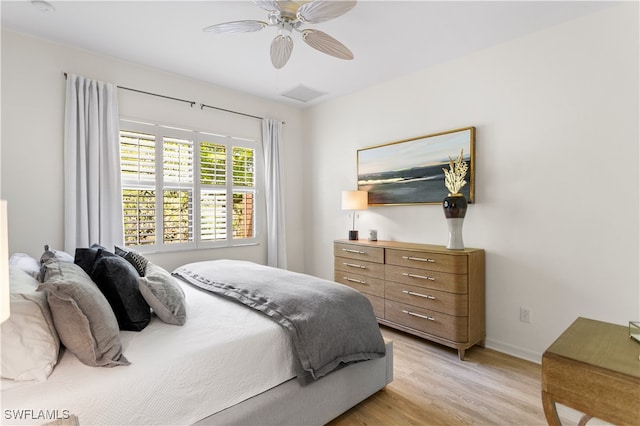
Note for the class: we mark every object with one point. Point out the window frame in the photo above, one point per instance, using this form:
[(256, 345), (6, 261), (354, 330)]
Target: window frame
[(197, 137)]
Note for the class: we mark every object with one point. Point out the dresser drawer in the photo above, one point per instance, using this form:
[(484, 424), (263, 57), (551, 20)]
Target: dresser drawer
[(362, 283), (359, 267), (442, 325), (435, 300), (452, 283), (354, 251), (432, 261)]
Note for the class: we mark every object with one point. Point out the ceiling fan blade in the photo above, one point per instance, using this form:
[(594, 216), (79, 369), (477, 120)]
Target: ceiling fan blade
[(236, 27), (326, 44), (321, 10), (270, 6), (281, 48)]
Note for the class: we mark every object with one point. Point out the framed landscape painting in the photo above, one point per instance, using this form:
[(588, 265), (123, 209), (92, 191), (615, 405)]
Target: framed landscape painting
[(410, 171)]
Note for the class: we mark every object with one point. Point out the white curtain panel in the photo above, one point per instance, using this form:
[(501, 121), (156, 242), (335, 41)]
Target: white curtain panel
[(272, 147), (93, 200)]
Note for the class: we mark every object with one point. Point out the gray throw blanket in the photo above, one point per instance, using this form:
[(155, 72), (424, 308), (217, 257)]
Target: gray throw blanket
[(329, 324)]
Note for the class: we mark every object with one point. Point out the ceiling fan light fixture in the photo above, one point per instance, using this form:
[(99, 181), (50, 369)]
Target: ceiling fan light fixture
[(289, 15)]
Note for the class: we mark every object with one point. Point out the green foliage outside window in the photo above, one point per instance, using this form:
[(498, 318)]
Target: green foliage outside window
[(177, 217), (213, 164), (140, 216), (243, 166)]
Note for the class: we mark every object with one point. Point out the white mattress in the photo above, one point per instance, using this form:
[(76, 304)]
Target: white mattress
[(224, 354)]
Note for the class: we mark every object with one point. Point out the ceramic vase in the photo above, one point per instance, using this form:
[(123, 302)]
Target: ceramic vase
[(455, 208)]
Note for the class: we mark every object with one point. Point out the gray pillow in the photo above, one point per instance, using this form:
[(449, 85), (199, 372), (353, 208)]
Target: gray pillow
[(82, 316), (164, 295), (137, 260), (49, 254)]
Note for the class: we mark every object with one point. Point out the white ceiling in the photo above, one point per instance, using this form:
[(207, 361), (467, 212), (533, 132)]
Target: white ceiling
[(388, 38)]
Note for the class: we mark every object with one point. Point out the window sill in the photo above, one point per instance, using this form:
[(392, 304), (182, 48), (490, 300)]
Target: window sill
[(188, 249)]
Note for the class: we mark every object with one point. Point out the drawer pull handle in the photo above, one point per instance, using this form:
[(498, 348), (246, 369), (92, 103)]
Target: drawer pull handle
[(427, 317), (354, 280), (354, 251), (419, 259), (426, 296), (406, 274), (353, 265)]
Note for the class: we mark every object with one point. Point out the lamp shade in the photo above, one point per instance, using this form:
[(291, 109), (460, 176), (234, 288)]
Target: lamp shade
[(355, 200), (4, 263)]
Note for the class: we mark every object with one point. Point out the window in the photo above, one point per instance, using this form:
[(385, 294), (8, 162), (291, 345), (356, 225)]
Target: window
[(186, 189)]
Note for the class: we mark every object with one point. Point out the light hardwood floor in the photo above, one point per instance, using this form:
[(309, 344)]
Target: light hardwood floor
[(432, 386)]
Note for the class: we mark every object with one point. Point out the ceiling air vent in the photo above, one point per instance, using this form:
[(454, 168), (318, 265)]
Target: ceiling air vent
[(303, 93)]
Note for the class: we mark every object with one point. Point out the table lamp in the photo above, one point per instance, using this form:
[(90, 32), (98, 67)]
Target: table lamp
[(4, 263), (354, 200)]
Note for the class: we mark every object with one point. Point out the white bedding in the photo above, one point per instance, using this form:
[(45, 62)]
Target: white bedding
[(223, 355)]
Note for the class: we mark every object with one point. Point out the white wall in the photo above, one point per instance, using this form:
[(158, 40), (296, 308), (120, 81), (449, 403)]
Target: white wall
[(33, 90), (557, 189)]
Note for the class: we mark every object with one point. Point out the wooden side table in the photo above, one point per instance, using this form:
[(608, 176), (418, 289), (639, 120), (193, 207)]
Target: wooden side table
[(593, 367)]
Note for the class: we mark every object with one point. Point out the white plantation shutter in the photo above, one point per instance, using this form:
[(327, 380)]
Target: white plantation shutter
[(185, 189), (138, 157), (139, 211), (177, 161), (213, 163), (177, 221), (243, 164), (213, 191), (138, 165), (177, 175), (243, 213), (213, 210), (227, 184), (243, 175)]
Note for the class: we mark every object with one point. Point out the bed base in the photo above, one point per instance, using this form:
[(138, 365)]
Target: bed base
[(314, 404)]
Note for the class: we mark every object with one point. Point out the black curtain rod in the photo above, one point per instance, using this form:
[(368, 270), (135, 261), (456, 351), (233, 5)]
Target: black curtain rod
[(203, 106), (191, 103)]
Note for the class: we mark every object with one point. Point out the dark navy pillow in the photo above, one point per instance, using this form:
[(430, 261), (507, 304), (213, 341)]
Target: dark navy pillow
[(117, 279), (86, 257)]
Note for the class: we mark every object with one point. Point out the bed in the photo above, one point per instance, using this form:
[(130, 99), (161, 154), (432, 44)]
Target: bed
[(240, 368)]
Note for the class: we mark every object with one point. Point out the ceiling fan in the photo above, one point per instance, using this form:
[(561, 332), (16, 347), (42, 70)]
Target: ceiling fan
[(289, 16)]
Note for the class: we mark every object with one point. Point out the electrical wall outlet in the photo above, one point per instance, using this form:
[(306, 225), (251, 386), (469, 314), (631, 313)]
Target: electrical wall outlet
[(525, 314)]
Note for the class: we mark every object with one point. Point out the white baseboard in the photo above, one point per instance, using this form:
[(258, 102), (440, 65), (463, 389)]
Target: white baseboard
[(514, 350)]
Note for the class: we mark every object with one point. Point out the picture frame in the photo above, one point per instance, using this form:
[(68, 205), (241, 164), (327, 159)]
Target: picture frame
[(410, 171)]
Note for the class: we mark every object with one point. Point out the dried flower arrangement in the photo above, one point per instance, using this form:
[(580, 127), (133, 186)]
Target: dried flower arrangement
[(454, 177)]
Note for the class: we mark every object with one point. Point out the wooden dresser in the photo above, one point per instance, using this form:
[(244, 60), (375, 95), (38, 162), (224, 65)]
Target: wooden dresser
[(426, 290)]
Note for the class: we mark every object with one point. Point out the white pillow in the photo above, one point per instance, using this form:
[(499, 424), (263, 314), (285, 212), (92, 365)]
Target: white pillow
[(25, 262), (30, 343)]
